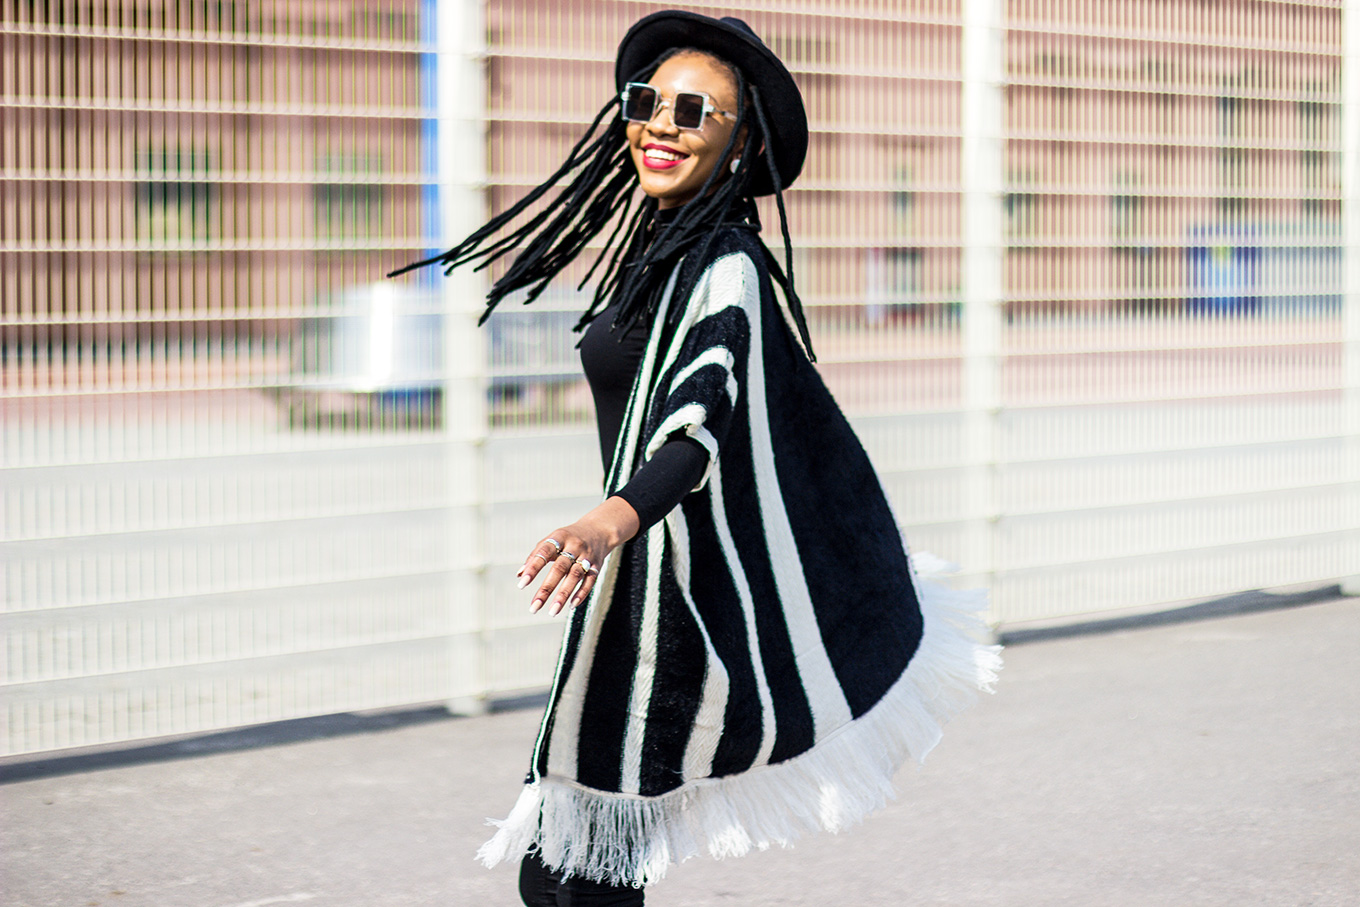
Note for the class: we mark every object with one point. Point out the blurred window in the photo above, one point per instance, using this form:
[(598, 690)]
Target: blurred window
[(345, 209), (174, 198)]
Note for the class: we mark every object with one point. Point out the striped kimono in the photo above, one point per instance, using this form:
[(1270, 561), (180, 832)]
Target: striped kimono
[(760, 662)]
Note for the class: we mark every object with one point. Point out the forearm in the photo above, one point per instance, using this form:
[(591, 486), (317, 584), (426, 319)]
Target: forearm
[(665, 479)]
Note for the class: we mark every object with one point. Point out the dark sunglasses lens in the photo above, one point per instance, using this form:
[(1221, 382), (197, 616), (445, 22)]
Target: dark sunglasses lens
[(689, 110), (639, 104)]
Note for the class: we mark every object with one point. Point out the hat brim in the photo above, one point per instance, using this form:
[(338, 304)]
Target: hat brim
[(650, 38)]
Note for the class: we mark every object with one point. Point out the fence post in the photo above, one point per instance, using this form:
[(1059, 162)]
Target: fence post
[(460, 99), (1350, 247), (983, 247)]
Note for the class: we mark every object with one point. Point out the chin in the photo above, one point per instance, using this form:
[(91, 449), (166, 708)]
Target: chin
[(664, 194)]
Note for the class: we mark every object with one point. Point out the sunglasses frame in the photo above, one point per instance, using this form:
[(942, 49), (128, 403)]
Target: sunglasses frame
[(663, 102)]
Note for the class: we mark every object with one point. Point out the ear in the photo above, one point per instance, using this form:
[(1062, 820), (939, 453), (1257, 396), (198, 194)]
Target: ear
[(738, 148)]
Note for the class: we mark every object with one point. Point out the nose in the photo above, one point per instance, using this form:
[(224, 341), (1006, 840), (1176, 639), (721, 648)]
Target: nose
[(662, 122)]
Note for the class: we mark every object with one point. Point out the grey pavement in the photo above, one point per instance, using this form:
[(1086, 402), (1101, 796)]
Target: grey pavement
[(1204, 762)]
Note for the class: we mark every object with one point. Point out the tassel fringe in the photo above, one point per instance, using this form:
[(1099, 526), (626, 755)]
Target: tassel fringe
[(627, 839)]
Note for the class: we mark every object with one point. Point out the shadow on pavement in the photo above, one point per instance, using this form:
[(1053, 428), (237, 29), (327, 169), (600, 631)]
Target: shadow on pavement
[(277, 733), (1228, 606)]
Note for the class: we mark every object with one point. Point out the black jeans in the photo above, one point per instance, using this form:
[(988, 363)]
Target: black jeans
[(540, 886)]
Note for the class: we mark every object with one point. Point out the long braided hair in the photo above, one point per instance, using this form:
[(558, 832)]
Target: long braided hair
[(641, 251)]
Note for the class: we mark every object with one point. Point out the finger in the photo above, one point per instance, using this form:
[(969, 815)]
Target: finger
[(544, 553), (588, 573), (553, 577), (531, 566), (586, 576), (567, 587), (566, 593)]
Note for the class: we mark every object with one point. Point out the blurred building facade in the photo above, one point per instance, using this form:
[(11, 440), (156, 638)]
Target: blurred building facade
[(238, 487), (191, 181)]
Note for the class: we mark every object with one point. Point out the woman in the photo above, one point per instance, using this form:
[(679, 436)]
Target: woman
[(755, 656)]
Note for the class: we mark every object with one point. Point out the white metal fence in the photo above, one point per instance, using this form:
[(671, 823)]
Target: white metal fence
[(1084, 275)]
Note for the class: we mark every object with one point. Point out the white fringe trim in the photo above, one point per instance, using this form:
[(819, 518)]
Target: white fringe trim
[(630, 839)]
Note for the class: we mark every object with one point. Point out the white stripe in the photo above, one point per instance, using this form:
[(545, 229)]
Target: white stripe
[(748, 613), (555, 764), (645, 673), (729, 281), (708, 721), (829, 708), (691, 418), (722, 286), (714, 355)]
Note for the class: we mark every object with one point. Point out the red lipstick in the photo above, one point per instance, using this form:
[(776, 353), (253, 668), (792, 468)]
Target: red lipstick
[(654, 162)]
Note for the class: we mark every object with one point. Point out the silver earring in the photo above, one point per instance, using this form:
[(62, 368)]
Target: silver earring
[(736, 163)]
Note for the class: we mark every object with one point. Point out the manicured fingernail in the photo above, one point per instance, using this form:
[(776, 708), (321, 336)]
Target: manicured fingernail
[(535, 605), (571, 602), (557, 607), (523, 581)]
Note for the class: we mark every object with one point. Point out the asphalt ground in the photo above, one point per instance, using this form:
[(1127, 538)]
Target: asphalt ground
[(1206, 757)]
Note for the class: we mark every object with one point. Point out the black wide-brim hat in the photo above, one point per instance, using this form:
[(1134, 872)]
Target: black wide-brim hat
[(734, 41)]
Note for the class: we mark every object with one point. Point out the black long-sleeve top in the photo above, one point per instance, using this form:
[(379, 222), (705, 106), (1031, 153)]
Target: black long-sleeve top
[(611, 360)]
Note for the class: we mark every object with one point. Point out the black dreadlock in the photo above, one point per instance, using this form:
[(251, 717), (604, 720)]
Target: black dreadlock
[(640, 252)]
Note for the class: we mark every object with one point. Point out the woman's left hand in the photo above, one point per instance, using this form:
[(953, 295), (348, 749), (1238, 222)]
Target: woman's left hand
[(569, 558)]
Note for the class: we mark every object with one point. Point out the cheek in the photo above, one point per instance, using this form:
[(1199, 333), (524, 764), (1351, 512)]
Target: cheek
[(706, 158)]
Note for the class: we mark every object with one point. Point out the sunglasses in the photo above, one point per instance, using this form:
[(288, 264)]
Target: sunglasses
[(642, 102)]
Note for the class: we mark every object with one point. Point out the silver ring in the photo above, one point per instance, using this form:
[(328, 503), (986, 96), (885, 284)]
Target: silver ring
[(593, 570), (567, 554), (536, 554), (585, 564), (555, 543)]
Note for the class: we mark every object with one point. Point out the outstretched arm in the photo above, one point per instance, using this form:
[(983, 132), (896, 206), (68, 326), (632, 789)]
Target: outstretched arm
[(656, 489)]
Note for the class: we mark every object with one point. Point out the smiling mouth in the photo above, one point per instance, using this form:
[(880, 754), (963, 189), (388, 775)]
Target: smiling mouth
[(658, 157)]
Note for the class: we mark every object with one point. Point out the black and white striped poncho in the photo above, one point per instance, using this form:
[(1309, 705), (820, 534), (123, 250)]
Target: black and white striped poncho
[(760, 662)]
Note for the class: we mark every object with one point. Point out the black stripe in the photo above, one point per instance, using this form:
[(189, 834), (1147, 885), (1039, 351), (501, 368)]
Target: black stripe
[(728, 328), (677, 688), (716, 599), (708, 388), (604, 714)]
